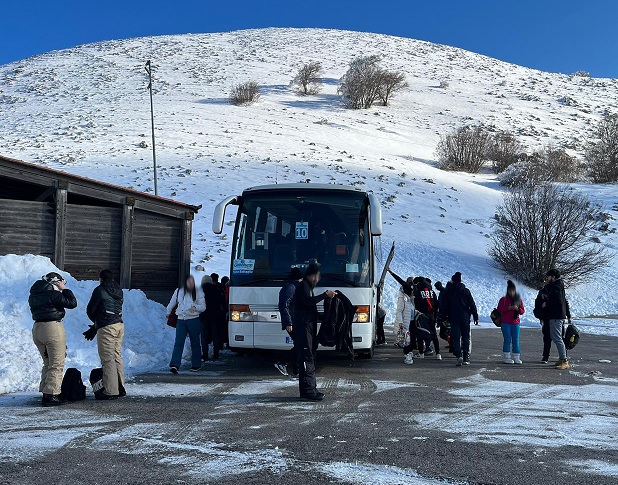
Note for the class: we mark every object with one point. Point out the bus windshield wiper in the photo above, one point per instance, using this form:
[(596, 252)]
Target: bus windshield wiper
[(337, 277)]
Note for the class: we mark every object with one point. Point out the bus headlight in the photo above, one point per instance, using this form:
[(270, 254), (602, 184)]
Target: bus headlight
[(241, 313), (362, 314)]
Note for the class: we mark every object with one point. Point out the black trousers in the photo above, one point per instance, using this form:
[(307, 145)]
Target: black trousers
[(211, 332), (306, 348), (381, 338)]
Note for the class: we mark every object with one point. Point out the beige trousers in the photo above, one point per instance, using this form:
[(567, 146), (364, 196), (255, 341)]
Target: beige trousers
[(109, 344), (51, 340)]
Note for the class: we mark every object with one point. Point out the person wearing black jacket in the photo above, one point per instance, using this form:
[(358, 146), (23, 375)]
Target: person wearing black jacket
[(286, 295), (105, 311), (213, 318), (556, 310), (305, 304), (426, 305), (458, 306), (540, 313), (49, 297)]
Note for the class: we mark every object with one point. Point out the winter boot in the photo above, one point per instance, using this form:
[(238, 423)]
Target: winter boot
[(517, 359), (563, 364), (409, 359), (507, 358)]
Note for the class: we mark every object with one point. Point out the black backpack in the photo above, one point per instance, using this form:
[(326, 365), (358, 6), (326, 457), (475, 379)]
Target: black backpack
[(96, 380), (72, 387), (571, 337)]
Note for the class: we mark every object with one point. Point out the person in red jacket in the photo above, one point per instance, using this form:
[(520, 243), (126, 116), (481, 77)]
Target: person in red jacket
[(511, 307)]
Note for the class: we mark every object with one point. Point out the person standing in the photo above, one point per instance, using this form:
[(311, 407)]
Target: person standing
[(189, 302), (213, 317), (556, 310), (105, 311), (458, 307), (305, 331), (286, 295), (404, 311), (426, 305), (49, 297), (511, 307)]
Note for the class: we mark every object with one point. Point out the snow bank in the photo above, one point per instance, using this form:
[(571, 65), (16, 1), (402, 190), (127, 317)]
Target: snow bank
[(147, 343)]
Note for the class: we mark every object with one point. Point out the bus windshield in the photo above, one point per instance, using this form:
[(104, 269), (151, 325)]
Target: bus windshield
[(280, 230)]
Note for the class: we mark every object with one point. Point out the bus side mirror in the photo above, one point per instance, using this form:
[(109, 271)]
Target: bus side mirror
[(375, 214), (219, 216)]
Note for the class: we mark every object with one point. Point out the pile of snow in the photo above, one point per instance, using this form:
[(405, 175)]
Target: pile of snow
[(147, 342)]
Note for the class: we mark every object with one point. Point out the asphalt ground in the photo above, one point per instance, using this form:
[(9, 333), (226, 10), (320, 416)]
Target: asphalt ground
[(381, 422)]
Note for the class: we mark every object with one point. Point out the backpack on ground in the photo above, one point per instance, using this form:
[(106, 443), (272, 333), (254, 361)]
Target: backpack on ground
[(496, 317), (96, 380), (571, 337), (72, 387)]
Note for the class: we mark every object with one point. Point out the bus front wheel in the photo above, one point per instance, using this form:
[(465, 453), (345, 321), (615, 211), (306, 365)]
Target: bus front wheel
[(366, 354)]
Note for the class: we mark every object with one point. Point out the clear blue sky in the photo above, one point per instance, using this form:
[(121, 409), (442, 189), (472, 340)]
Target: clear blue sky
[(561, 36)]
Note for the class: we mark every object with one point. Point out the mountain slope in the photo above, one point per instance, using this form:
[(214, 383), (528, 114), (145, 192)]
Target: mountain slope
[(86, 110)]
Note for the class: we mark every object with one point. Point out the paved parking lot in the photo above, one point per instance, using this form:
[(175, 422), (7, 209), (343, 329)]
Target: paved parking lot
[(381, 422)]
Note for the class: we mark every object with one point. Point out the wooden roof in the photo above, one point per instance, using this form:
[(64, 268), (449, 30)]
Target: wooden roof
[(48, 177)]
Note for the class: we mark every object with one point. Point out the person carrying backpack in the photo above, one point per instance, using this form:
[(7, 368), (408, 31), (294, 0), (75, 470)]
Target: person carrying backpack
[(511, 307), (458, 307), (426, 305), (541, 314), (556, 310), (105, 311), (49, 297)]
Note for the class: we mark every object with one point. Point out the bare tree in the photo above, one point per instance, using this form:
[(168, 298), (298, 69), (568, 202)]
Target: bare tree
[(550, 164), (539, 227), (360, 85), (464, 149), (245, 93), (390, 83), (307, 80), (602, 154), (504, 150)]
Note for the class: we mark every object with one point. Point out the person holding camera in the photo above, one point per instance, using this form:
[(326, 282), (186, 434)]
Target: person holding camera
[(49, 297)]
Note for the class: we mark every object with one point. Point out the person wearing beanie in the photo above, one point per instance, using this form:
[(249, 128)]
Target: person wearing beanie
[(49, 297), (286, 295), (556, 310), (511, 307), (305, 329), (458, 306)]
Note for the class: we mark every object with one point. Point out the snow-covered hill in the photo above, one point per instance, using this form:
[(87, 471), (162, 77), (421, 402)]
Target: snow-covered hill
[(86, 110)]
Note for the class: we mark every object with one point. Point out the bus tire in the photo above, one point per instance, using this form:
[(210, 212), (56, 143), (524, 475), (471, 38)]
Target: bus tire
[(366, 354)]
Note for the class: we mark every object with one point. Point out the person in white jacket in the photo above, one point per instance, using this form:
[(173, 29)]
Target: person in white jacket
[(189, 302), (403, 316)]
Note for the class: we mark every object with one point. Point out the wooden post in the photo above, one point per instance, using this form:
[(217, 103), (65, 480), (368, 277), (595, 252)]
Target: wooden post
[(126, 255), (61, 223), (185, 248)]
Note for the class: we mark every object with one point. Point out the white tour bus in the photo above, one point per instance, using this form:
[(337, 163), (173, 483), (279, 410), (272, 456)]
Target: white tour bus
[(279, 227)]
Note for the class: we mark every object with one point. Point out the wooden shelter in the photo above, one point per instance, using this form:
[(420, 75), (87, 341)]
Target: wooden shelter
[(85, 226)]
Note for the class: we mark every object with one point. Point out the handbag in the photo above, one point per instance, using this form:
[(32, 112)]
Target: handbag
[(172, 318), (496, 317)]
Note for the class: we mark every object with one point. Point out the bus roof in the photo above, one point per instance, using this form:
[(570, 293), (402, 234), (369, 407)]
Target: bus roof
[(303, 186)]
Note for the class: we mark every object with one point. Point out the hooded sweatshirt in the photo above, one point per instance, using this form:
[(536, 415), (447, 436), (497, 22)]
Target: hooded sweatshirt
[(105, 305)]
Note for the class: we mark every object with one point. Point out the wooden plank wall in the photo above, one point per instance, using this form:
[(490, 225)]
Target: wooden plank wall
[(155, 265), (27, 227), (93, 240)]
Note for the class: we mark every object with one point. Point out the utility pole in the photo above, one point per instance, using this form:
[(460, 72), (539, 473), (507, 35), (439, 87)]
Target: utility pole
[(154, 155)]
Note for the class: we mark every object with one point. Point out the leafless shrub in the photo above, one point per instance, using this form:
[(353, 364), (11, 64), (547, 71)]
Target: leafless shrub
[(365, 82), (539, 227), (504, 149), (444, 84), (390, 83), (307, 81), (550, 164), (581, 74), (602, 154), (464, 149), (245, 93)]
